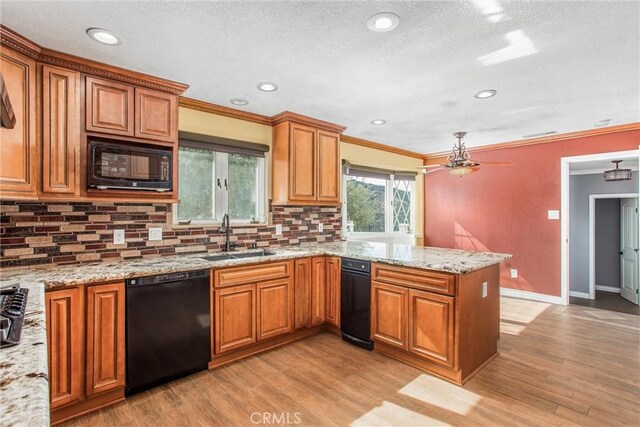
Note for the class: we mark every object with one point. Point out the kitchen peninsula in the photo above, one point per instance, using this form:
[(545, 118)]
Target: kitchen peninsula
[(435, 309)]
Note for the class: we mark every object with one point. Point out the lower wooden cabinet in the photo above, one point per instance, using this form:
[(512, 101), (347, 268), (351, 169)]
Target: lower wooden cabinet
[(105, 338), (235, 318), (389, 314), (275, 308), (333, 291), (431, 326), (302, 293), (86, 344), (64, 336), (318, 290)]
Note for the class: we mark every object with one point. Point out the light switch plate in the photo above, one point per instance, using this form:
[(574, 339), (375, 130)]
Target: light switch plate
[(553, 214), (278, 228), (320, 228), (514, 273), (155, 233), (484, 289), (118, 237)]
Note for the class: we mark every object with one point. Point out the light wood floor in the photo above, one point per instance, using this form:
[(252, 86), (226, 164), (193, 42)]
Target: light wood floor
[(608, 301), (557, 366)]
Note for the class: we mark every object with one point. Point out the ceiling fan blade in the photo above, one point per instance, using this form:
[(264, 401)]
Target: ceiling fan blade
[(434, 170), (430, 166), (496, 163)]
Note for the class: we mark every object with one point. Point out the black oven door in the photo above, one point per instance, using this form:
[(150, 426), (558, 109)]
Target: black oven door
[(116, 165)]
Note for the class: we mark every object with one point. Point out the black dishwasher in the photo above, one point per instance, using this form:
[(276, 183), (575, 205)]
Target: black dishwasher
[(355, 302), (168, 328)]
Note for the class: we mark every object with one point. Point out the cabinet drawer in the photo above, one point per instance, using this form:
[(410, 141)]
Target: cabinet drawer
[(250, 274), (417, 278)]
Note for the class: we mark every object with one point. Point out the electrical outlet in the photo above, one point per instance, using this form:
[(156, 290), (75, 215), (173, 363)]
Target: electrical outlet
[(155, 233), (118, 237), (320, 228), (278, 229), (484, 289), (514, 273)]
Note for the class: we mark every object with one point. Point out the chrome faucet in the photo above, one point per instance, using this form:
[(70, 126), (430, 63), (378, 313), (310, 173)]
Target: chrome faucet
[(225, 227)]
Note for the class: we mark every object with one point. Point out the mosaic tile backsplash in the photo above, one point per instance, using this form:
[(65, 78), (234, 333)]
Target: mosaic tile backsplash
[(35, 233)]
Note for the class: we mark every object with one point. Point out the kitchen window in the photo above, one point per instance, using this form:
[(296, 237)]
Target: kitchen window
[(378, 202), (218, 176)]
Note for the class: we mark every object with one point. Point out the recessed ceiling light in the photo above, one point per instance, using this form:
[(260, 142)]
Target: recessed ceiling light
[(267, 87), (383, 21), (238, 101), (601, 123), (378, 122), (484, 94), (104, 36)]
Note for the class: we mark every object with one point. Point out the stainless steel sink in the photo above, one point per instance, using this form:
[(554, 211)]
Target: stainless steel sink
[(240, 255)]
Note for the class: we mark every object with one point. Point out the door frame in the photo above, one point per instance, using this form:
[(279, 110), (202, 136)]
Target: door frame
[(565, 169), (592, 234)]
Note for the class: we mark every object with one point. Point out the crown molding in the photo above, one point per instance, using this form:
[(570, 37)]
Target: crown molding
[(288, 116), (221, 110), (13, 40), (432, 158), (382, 147)]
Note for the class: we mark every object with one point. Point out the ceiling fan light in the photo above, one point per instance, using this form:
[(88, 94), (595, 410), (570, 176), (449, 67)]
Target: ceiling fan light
[(461, 170), (617, 174)]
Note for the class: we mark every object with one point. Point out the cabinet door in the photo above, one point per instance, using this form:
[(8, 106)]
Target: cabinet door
[(275, 308), (318, 287), (156, 115), (64, 337), (389, 314), (105, 337), (235, 317), (431, 326), (60, 130), (302, 163), (109, 107), (18, 150), (333, 291), (302, 292), (329, 172)]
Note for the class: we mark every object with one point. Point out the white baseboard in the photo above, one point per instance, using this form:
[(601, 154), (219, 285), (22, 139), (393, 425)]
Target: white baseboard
[(579, 294), (608, 289), (515, 293)]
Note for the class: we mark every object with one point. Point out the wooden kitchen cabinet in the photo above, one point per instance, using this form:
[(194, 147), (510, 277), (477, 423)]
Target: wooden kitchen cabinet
[(235, 317), (389, 314), (274, 308), (109, 107), (431, 326), (306, 161), (318, 290), (302, 293), (105, 337), (156, 115), (64, 310), (333, 291), (60, 130), (19, 151)]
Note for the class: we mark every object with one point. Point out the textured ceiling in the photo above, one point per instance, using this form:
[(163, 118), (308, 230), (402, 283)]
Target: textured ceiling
[(557, 66)]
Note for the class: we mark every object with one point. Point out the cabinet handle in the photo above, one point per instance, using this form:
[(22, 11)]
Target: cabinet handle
[(225, 184), (219, 185)]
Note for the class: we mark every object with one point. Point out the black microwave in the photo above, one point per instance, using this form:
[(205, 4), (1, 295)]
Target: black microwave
[(118, 165)]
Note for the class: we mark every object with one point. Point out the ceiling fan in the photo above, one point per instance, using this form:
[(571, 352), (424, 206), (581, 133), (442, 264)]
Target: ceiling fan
[(459, 161)]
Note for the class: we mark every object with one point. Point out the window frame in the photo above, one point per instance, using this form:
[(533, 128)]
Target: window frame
[(221, 198)]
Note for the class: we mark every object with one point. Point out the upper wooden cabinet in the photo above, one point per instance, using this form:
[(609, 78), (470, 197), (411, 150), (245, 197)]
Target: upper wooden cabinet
[(306, 161), (60, 130), (18, 150), (109, 107), (156, 115)]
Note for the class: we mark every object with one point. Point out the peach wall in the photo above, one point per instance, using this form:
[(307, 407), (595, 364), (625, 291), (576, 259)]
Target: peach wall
[(504, 208)]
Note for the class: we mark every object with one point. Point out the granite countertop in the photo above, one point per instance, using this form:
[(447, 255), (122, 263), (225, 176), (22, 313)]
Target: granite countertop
[(24, 383), (23, 368), (446, 260)]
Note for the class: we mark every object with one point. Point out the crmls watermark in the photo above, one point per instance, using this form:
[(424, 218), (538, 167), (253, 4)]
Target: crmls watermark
[(275, 418)]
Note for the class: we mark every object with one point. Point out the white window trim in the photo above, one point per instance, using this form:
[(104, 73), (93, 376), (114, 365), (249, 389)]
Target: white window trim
[(388, 215), (220, 199)]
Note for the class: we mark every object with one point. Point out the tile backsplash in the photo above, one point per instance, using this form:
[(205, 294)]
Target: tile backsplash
[(36, 233)]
